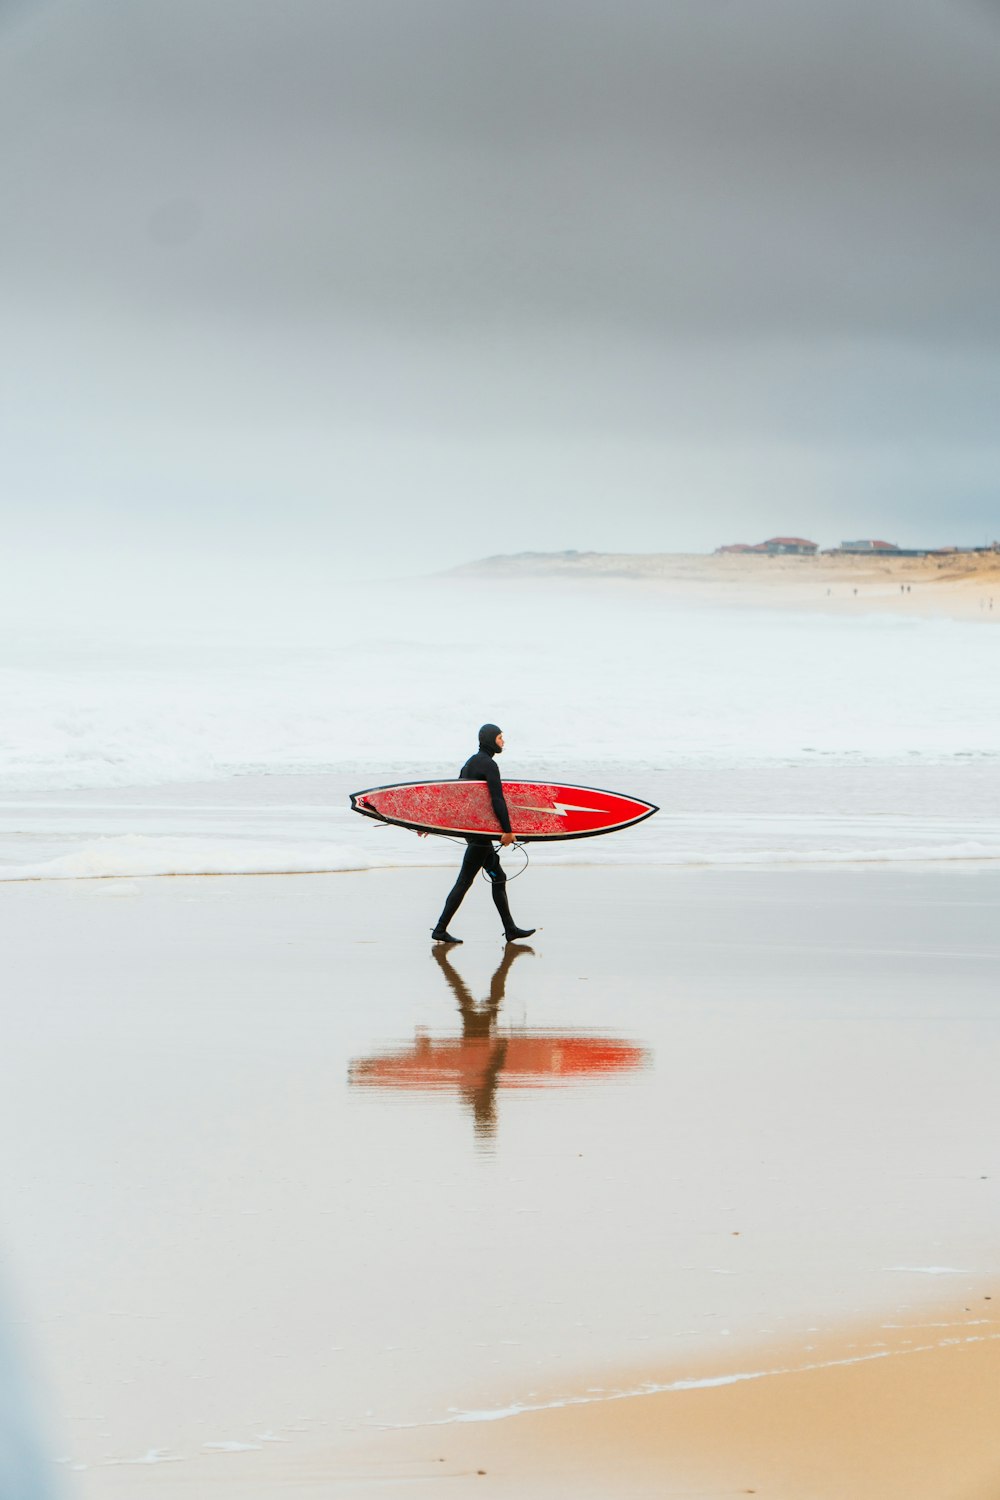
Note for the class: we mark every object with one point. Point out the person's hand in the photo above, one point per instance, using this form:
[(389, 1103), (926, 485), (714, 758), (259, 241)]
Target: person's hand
[(506, 839), (421, 834)]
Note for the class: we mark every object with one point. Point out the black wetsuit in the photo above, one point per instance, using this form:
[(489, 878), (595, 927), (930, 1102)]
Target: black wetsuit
[(482, 853), (483, 767)]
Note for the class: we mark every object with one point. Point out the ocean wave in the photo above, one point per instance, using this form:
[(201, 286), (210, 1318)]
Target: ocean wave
[(730, 689), (457, 1416)]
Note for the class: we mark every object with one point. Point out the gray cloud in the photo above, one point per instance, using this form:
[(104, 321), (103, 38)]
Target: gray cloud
[(399, 251)]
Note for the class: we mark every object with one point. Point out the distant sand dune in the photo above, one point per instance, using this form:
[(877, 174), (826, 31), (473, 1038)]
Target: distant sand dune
[(963, 584)]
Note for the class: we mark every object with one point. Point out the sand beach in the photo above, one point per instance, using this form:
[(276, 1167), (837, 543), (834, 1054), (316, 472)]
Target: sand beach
[(692, 1194), (360, 364), (949, 585), (239, 1264)]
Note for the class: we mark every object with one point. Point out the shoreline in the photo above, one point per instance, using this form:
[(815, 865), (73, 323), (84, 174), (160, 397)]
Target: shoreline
[(864, 1415), (955, 586), (813, 815), (749, 865), (894, 1408)]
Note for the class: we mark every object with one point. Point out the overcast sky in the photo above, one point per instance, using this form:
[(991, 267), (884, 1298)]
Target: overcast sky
[(395, 283)]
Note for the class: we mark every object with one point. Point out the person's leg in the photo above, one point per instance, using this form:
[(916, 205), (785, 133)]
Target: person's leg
[(498, 884), (475, 855)]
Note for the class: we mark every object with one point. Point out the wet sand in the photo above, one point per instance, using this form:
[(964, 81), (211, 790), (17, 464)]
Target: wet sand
[(286, 1194)]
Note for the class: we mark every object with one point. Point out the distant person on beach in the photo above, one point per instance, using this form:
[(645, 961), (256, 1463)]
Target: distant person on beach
[(481, 853)]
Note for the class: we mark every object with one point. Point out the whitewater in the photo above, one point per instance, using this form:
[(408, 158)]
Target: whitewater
[(227, 742)]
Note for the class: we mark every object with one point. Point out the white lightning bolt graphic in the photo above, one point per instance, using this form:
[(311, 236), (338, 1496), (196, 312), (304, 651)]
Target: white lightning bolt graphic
[(559, 808)]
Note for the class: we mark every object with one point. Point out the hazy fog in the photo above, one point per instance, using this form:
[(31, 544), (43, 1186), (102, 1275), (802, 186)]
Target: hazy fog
[(368, 287)]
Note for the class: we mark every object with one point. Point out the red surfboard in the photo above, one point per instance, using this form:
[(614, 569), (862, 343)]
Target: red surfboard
[(539, 811)]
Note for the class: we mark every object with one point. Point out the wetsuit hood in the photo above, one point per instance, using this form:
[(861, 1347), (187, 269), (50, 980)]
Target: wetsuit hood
[(488, 738)]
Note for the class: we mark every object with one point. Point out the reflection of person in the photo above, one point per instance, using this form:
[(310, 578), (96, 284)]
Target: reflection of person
[(489, 1051), (481, 853)]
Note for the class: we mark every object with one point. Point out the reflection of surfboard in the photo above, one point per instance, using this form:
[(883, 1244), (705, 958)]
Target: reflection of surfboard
[(529, 1060), (538, 810)]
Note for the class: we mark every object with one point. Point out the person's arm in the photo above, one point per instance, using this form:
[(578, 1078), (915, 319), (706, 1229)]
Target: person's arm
[(497, 798)]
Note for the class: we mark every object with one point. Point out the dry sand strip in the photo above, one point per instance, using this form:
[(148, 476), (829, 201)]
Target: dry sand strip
[(960, 585), (893, 1412)]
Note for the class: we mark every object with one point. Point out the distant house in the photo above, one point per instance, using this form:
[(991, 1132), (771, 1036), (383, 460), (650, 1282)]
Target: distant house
[(774, 546), (867, 546), (778, 545)]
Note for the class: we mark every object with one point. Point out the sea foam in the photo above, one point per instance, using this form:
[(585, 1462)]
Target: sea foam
[(807, 733)]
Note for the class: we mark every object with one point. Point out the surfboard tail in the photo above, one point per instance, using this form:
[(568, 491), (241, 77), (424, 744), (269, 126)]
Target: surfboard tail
[(360, 804)]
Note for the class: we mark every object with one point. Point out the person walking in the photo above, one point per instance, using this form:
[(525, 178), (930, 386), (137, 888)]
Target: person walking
[(482, 853)]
